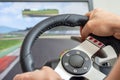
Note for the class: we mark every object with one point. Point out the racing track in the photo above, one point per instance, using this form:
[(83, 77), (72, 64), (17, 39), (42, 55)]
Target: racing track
[(49, 48)]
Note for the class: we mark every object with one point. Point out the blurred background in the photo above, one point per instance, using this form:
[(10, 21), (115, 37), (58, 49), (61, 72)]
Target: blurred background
[(18, 18)]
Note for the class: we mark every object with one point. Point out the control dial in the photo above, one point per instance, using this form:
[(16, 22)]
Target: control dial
[(76, 62)]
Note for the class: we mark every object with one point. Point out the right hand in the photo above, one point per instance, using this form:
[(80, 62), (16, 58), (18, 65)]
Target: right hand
[(102, 23)]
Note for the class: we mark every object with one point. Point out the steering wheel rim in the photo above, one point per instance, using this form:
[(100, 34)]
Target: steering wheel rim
[(70, 20)]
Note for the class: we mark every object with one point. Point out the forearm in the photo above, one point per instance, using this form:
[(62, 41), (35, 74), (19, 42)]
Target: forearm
[(115, 72)]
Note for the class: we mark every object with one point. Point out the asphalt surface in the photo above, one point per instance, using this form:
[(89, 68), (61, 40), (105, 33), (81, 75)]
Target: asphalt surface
[(43, 50), (15, 53)]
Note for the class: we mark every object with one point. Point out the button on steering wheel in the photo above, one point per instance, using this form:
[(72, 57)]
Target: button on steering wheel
[(75, 62)]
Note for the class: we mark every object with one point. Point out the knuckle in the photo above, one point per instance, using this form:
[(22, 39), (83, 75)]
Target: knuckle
[(28, 77), (89, 24), (117, 35), (17, 77)]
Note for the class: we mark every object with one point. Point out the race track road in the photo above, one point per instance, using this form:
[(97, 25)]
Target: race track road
[(44, 49)]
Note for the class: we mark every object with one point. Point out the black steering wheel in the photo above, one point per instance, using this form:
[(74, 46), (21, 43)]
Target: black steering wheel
[(76, 61)]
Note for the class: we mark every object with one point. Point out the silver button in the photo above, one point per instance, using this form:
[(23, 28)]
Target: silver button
[(75, 70), (66, 64)]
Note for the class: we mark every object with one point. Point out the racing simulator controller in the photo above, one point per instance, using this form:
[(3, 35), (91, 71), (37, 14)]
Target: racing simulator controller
[(76, 62)]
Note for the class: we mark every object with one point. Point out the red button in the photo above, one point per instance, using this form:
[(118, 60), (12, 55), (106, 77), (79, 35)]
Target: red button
[(90, 38), (95, 41), (99, 43)]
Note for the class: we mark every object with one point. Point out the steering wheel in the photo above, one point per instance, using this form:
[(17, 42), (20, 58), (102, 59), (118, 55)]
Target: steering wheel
[(75, 62)]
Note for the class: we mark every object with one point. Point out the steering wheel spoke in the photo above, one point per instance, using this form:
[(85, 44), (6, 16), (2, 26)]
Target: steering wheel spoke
[(80, 59), (111, 55), (94, 74), (61, 71), (88, 47)]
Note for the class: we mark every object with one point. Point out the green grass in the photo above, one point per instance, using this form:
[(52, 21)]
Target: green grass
[(41, 12), (4, 44)]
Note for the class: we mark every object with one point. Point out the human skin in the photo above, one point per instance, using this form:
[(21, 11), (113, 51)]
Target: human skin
[(101, 23), (115, 72), (46, 73)]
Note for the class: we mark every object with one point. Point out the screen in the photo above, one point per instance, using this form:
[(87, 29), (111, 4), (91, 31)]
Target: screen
[(20, 16)]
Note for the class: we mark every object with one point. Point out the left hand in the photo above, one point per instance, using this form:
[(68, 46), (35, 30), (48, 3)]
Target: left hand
[(46, 73)]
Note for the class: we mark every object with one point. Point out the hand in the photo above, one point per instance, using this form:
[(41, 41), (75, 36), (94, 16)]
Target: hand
[(102, 23), (45, 73), (117, 35)]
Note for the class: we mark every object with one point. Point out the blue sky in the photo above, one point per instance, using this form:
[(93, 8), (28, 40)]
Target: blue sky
[(11, 12)]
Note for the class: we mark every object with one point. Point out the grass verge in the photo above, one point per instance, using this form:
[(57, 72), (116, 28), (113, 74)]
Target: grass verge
[(4, 44)]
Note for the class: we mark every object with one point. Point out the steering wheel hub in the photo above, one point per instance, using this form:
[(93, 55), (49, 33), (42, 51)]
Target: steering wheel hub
[(76, 62)]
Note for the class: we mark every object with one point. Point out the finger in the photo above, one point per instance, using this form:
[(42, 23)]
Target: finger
[(86, 30), (46, 68), (81, 39), (81, 30), (27, 76), (117, 35), (24, 76), (18, 77), (39, 75), (53, 73)]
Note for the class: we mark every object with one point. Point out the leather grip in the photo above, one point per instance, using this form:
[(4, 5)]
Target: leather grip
[(70, 20)]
